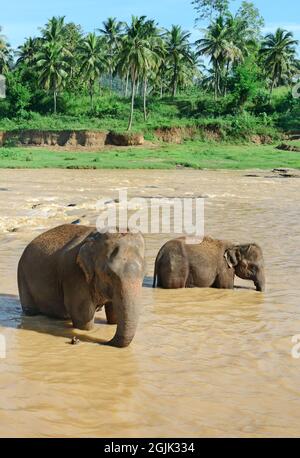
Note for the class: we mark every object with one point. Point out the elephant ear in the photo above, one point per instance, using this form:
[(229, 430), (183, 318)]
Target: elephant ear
[(85, 259), (232, 257)]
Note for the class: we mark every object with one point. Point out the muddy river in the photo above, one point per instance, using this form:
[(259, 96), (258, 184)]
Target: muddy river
[(204, 362)]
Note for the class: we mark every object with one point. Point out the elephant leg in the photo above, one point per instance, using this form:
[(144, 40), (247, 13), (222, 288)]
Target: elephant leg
[(27, 301), (110, 314), (224, 281), (173, 279), (83, 316), (83, 325)]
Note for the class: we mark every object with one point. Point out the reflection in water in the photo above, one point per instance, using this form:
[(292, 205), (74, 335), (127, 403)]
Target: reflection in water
[(204, 362)]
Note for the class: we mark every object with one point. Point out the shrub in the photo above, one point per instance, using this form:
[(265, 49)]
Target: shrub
[(18, 95), (208, 106), (290, 120)]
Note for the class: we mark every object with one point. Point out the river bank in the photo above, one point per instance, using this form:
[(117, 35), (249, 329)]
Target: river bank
[(190, 154)]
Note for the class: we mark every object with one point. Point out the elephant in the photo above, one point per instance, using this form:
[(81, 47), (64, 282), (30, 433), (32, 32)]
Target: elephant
[(72, 271), (208, 263)]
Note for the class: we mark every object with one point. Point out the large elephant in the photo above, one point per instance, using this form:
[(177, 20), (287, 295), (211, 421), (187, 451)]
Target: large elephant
[(208, 263), (72, 271)]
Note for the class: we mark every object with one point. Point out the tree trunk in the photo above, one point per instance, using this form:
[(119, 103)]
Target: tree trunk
[(145, 99), (91, 96), (226, 79), (174, 89), (132, 102), (111, 78), (272, 86), (126, 86), (54, 100)]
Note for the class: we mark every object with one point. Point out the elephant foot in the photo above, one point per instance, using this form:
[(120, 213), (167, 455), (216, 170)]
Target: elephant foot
[(30, 311), (84, 326)]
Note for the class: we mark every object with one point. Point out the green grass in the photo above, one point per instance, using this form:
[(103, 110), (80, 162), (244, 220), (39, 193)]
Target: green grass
[(193, 154)]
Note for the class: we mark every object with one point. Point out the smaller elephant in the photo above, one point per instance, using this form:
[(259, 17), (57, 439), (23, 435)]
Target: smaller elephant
[(73, 271), (209, 263)]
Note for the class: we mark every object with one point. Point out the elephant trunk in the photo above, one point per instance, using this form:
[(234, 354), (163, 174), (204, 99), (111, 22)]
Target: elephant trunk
[(127, 309), (260, 281)]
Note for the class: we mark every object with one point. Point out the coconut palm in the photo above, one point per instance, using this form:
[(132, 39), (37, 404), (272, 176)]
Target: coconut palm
[(277, 54), (5, 55), (72, 36), (28, 51), (53, 30), (52, 68), (227, 41), (152, 34), (136, 55), (208, 82), (93, 61), (160, 79), (178, 50), (215, 45), (112, 31)]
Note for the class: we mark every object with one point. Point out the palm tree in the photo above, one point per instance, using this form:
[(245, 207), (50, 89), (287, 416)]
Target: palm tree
[(93, 61), (72, 36), (227, 41), (52, 68), (5, 55), (178, 51), (159, 79), (53, 30), (28, 51), (215, 45), (153, 37), (277, 54), (112, 30), (208, 82), (191, 71), (136, 55)]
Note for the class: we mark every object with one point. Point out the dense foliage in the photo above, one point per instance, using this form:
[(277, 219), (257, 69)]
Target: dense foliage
[(139, 65)]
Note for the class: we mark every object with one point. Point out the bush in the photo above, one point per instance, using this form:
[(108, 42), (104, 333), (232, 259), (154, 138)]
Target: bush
[(208, 106), (110, 108), (42, 102), (261, 103), (18, 95), (247, 82), (246, 125), (290, 120)]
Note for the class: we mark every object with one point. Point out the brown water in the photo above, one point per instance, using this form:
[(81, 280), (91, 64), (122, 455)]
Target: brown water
[(203, 363)]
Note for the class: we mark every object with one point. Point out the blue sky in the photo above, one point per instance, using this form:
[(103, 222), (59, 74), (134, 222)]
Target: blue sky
[(20, 19)]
